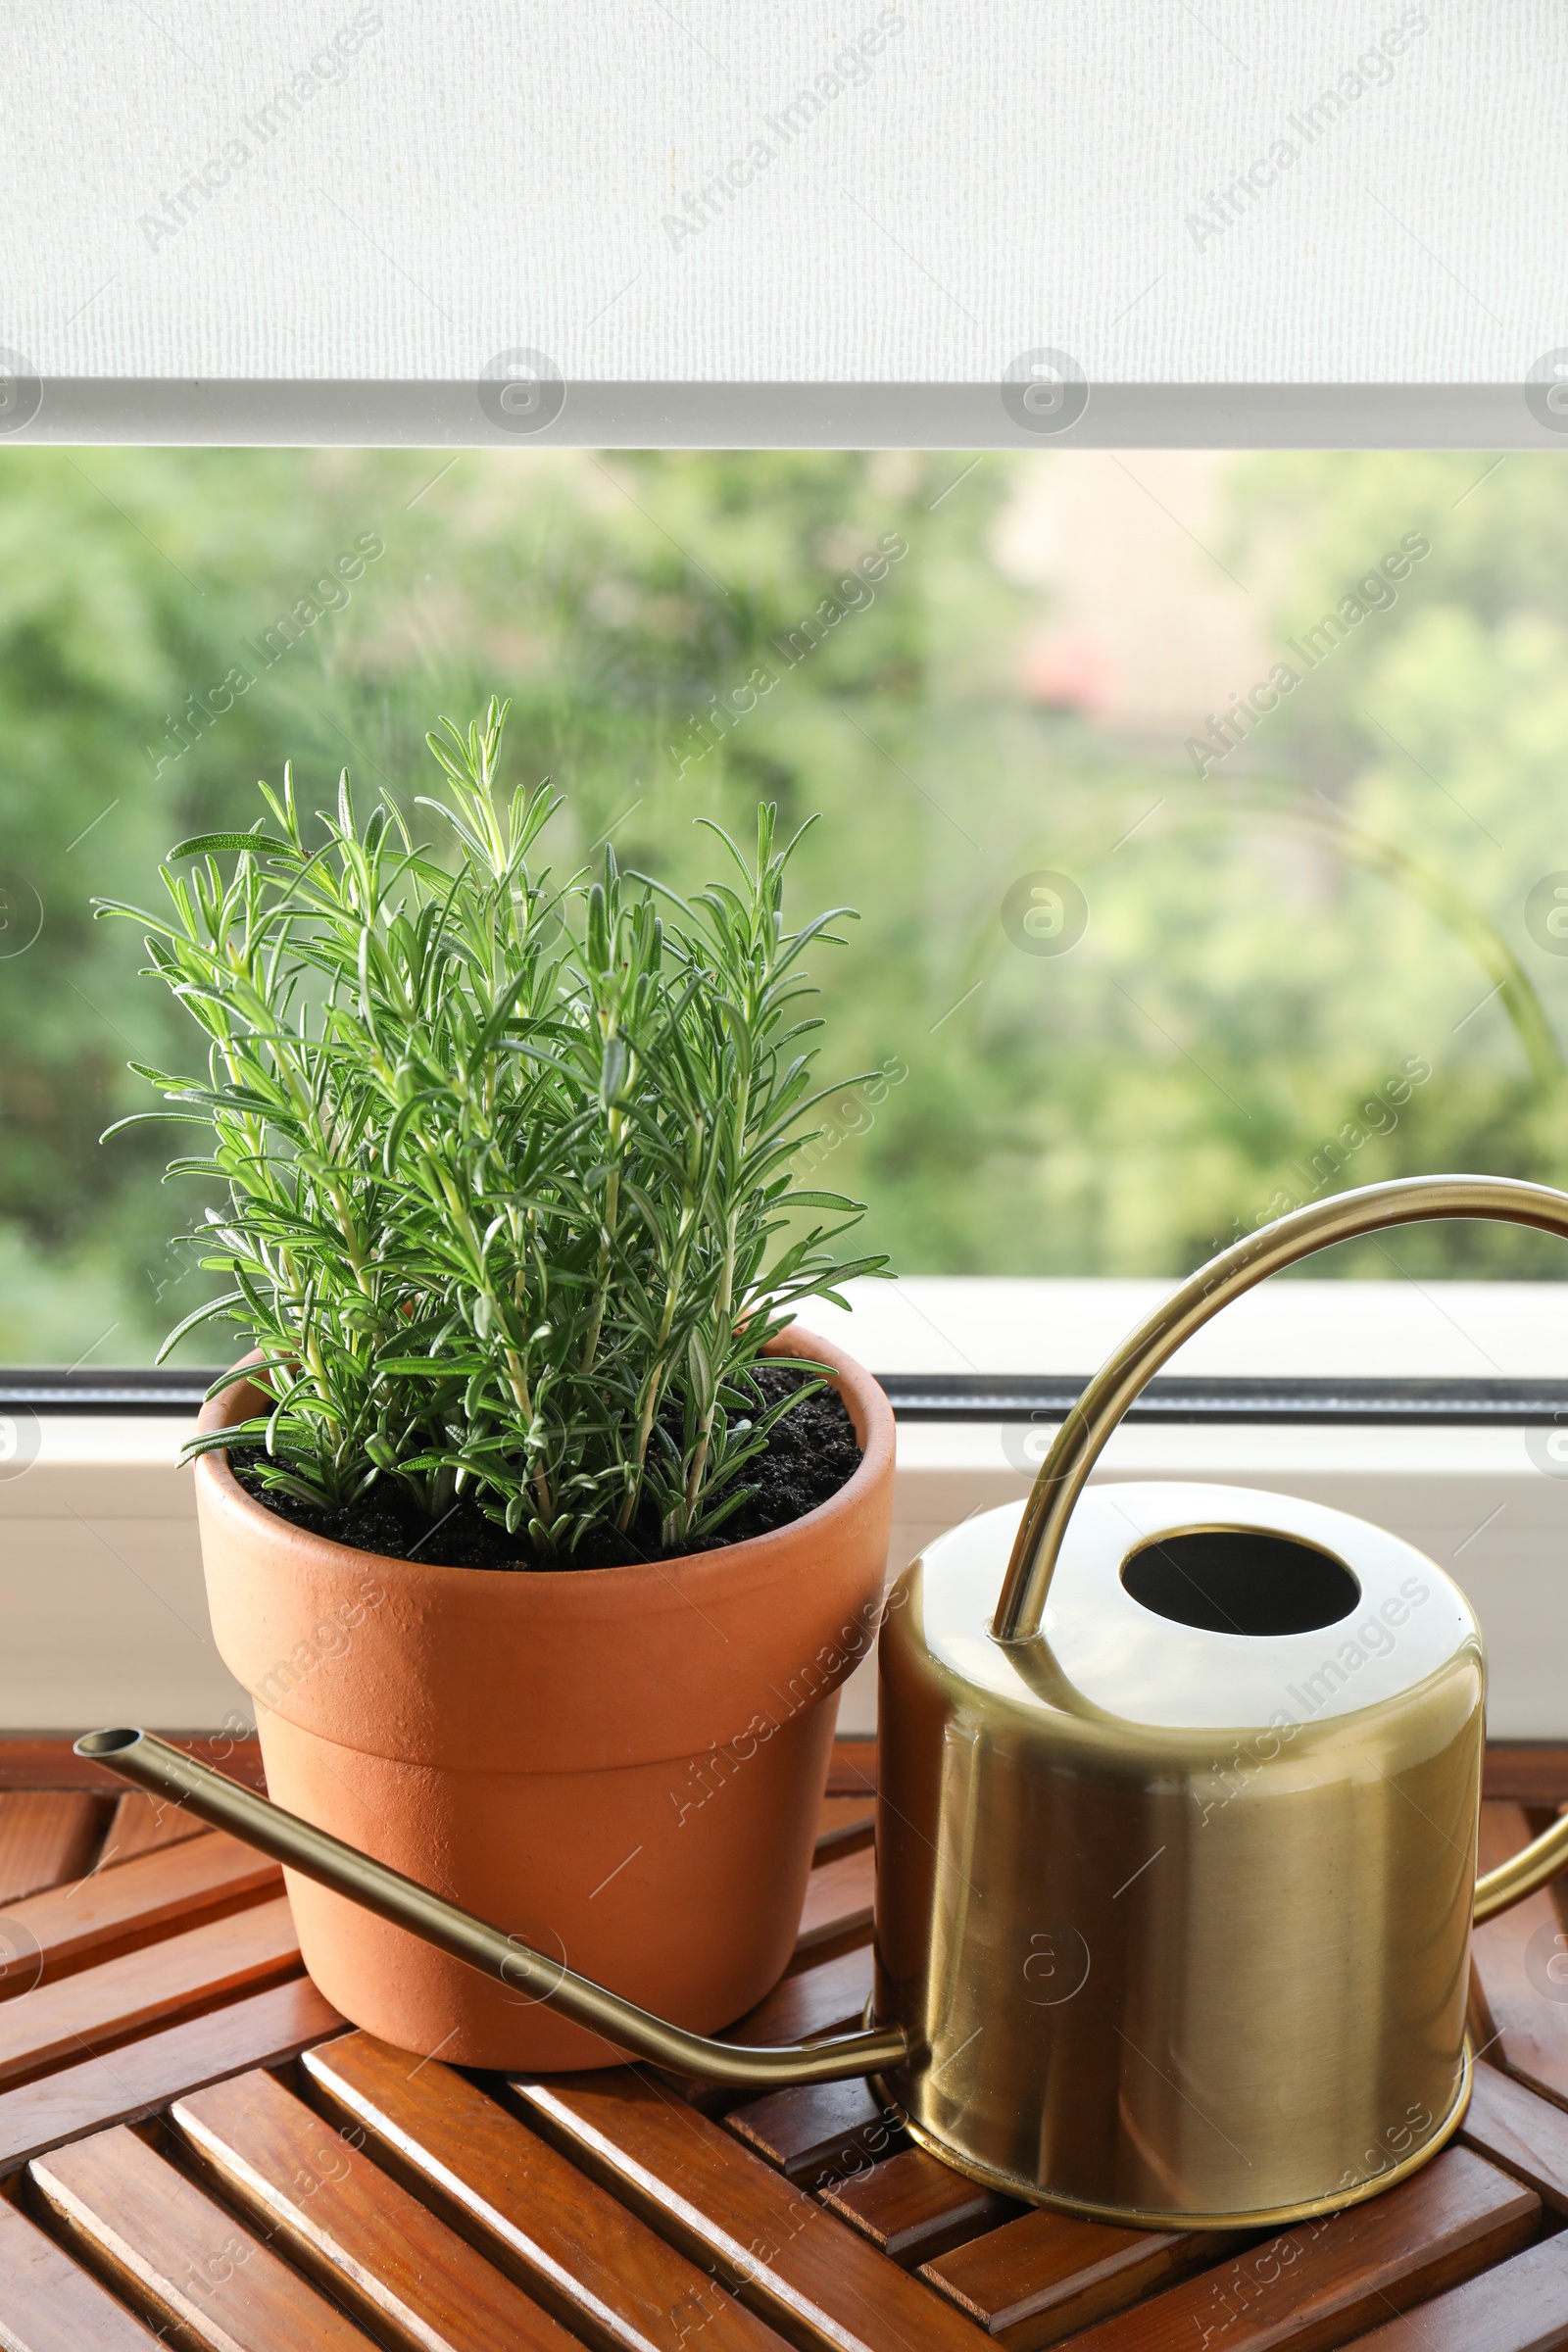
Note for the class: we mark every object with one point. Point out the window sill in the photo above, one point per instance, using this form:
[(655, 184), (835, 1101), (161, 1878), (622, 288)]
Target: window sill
[(104, 1619)]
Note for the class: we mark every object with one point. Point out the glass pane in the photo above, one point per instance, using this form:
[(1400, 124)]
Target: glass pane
[(1204, 814)]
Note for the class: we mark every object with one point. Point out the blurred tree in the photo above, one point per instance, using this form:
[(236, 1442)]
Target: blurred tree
[(1271, 947), (128, 583)]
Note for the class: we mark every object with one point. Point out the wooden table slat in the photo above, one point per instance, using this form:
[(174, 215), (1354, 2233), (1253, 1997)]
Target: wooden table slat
[(572, 2246), (117, 1908), (1519, 1969), (853, 1769), (1529, 1772), (1505, 1829), (828, 1997), (183, 2262), (804, 2270), (1046, 2274), (43, 1762), (162, 1990), (1526, 2134), (143, 1824), (46, 1835), (393, 2264), (49, 2303), (837, 1909), (819, 2131), (914, 2208), (180, 1977), (1518, 2011), (1320, 2283), (138, 2078), (843, 1825), (1519, 2306)]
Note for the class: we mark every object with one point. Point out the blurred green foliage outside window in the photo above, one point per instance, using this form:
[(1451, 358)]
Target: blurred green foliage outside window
[(1129, 983)]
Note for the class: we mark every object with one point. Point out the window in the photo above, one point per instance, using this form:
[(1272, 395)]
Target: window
[(1200, 807), (1201, 810)]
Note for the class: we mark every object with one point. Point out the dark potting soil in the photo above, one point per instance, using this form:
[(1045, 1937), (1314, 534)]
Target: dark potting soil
[(810, 1456)]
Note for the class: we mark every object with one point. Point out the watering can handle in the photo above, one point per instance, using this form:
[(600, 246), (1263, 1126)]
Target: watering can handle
[(1120, 1381)]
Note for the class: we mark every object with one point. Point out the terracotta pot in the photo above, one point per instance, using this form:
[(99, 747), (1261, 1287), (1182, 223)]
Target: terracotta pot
[(622, 1765)]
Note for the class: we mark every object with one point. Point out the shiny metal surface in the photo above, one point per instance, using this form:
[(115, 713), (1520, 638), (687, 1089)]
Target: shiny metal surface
[(1278, 2216), (1081, 1439), (1181, 1918), (150, 1763)]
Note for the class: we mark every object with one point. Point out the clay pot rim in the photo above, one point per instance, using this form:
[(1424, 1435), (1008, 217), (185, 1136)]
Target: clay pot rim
[(863, 1396)]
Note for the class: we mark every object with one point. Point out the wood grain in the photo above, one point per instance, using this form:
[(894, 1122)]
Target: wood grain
[(1044, 2275), (914, 2208), (48, 2303), (1520, 2306), (844, 1823), (143, 1823), (85, 2014), (1519, 1993), (46, 1835), (836, 1910), (1529, 1773), (819, 2131), (603, 2203), (852, 1770), (1503, 1830), (828, 1997), (1322, 2282), (182, 2262), (1524, 2134), (574, 2247), (804, 2270), (311, 2192), (114, 1910), (47, 1761), (141, 2077)]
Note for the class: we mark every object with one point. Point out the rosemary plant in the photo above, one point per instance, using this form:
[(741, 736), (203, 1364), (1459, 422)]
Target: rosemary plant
[(510, 1212)]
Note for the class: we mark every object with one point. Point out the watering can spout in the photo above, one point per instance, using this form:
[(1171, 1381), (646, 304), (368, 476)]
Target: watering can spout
[(169, 1773)]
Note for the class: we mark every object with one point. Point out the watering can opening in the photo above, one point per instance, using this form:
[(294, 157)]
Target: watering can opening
[(101, 1748), (1247, 1581)]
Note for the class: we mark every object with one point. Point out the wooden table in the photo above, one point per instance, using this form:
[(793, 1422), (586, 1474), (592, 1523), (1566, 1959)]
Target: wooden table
[(194, 2146)]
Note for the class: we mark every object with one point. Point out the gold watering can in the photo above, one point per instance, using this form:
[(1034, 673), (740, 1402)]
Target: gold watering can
[(1175, 1844)]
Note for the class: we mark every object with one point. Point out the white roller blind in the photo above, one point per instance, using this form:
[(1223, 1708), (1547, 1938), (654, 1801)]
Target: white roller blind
[(872, 219)]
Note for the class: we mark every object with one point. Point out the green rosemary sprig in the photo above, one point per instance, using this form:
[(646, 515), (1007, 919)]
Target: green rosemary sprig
[(507, 1163)]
